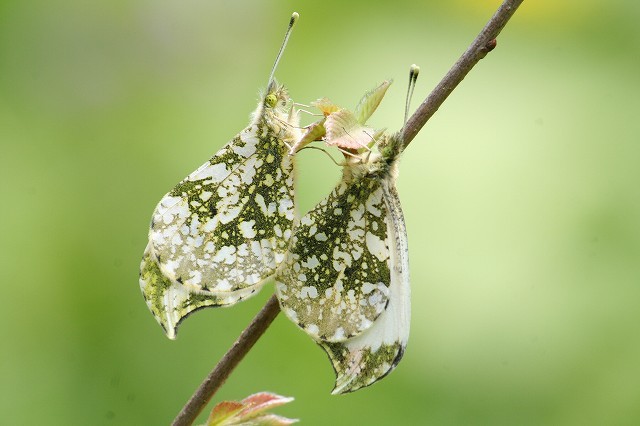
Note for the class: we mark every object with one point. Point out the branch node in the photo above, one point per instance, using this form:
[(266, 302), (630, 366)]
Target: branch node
[(484, 43), (491, 44)]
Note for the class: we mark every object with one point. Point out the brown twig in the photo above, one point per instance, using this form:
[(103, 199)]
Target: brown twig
[(483, 44), (231, 359)]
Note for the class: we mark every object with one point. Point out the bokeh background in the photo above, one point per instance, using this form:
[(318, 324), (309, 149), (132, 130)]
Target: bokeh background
[(521, 196)]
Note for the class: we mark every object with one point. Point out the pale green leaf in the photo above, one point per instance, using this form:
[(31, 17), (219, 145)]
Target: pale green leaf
[(370, 101)]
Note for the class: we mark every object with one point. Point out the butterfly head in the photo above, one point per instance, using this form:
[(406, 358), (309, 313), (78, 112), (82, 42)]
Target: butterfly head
[(276, 107), (276, 98)]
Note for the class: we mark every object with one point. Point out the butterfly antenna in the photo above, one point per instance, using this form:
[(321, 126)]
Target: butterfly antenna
[(292, 21), (413, 76)]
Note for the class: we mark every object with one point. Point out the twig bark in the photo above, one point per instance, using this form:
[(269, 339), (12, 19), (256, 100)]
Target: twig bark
[(483, 44), (231, 359)]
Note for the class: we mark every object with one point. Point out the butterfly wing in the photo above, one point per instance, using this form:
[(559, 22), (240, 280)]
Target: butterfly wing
[(171, 302), (367, 358), (225, 227), (334, 281), (223, 231)]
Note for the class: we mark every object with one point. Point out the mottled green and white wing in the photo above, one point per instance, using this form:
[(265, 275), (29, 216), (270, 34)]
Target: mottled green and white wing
[(335, 280), (171, 302), (222, 232), (345, 280), (226, 226), (362, 360)]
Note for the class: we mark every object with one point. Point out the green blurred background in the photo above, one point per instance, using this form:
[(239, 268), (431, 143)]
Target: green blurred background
[(521, 197)]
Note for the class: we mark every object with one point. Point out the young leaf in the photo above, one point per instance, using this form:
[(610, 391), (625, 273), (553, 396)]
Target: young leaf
[(250, 411)]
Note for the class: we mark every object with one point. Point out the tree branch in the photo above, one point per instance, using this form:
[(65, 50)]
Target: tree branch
[(231, 359), (483, 44)]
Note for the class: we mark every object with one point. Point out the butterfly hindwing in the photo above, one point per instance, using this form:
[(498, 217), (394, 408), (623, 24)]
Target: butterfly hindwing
[(345, 280), (171, 302), (367, 358)]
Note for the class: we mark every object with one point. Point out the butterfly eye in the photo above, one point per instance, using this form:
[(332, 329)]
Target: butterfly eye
[(271, 100)]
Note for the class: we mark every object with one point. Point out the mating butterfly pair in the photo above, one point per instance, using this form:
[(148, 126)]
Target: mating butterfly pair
[(341, 271)]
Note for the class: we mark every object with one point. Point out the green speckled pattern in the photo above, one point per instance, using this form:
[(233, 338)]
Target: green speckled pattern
[(224, 229), (345, 280), (335, 280), (171, 302)]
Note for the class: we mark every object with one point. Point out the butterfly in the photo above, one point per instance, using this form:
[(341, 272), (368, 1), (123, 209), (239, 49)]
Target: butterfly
[(345, 280), (222, 232)]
